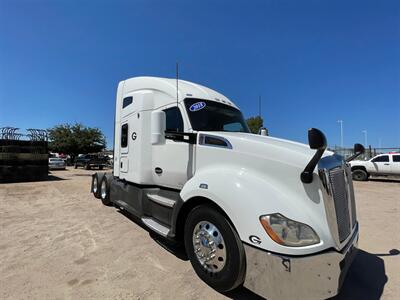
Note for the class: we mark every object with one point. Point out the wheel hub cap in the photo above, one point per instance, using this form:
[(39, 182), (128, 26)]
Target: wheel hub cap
[(95, 185), (209, 246), (103, 190)]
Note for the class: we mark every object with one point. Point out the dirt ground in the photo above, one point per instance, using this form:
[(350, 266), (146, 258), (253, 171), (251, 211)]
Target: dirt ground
[(58, 242)]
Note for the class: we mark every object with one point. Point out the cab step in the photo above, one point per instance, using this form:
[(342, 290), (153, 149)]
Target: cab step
[(156, 226)]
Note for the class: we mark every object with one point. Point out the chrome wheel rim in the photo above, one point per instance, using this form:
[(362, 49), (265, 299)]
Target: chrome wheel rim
[(209, 246), (95, 185), (103, 190)]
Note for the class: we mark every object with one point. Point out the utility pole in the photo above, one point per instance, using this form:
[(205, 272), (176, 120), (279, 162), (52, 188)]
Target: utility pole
[(341, 133), (365, 138), (177, 80)]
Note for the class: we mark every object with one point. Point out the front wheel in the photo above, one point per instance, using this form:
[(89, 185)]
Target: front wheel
[(360, 175), (214, 249)]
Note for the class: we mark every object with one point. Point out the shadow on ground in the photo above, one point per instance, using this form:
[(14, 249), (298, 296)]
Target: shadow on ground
[(366, 277), (54, 178), (178, 250), (83, 174), (383, 179)]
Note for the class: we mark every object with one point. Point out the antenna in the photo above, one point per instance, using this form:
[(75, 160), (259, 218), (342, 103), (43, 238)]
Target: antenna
[(177, 77), (259, 109)]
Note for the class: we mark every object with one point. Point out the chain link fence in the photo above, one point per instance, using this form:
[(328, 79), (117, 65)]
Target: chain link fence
[(368, 154)]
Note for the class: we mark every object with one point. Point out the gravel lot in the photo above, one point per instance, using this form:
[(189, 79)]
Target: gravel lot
[(58, 242)]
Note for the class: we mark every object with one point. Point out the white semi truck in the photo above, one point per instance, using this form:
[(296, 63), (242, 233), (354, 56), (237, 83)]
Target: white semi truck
[(276, 216)]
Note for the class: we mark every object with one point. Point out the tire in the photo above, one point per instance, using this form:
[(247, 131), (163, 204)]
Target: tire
[(359, 175), (87, 167), (227, 269), (100, 167), (96, 186), (75, 166), (105, 192)]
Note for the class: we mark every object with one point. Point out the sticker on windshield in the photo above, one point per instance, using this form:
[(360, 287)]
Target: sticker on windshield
[(197, 106)]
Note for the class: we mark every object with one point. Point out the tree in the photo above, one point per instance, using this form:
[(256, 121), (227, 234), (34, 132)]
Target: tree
[(255, 123), (75, 139)]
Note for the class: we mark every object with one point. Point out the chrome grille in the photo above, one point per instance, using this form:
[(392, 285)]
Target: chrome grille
[(340, 194), (352, 199)]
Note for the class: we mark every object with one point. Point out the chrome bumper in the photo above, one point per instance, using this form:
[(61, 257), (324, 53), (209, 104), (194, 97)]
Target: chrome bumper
[(318, 276)]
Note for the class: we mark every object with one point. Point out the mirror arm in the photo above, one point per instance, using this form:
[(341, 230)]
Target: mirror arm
[(358, 150), (307, 175), (353, 156)]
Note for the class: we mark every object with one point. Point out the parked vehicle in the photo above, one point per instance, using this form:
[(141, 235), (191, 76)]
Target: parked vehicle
[(274, 215), (89, 161), (56, 164), (380, 165)]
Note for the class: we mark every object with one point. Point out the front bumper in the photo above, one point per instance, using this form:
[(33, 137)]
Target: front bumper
[(317, 276)]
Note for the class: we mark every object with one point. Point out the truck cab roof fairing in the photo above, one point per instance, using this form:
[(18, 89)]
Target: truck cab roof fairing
[(186, 89)]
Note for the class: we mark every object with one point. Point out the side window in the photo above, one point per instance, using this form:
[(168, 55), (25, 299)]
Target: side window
[(174, 119), (233, 127), (127, 101), (383, 158), (124, 136), (396, 158)]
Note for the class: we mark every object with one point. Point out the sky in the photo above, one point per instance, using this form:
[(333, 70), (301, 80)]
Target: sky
[(312, 62)]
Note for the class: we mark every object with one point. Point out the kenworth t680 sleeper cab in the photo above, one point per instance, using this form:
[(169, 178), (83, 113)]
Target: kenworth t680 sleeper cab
[(276, 216)]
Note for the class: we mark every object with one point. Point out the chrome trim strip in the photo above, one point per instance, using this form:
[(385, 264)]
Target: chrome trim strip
[(161, 200)]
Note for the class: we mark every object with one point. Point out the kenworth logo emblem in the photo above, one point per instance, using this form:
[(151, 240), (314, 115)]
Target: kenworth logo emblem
[(197, 106)]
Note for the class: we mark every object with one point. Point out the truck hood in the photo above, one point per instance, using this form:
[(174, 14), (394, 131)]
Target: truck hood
[(279, 150), (359, 162), (258, 175)]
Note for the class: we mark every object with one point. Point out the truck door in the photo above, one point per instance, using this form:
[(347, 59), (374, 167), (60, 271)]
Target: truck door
[(395, 164), (124, 161), (381, 164), (173, 161)]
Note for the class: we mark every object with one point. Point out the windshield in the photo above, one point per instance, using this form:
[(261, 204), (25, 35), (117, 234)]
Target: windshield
[(208, 115)]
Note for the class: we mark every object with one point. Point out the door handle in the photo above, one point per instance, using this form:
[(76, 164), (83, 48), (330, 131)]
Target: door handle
[(386, 164)]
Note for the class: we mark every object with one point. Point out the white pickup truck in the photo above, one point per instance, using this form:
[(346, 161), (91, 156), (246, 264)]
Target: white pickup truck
[(380, 165), (276, 216)]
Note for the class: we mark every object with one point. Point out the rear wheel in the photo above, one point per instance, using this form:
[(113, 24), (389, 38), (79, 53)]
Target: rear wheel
[(105, 192), (96, 186), (214, 249), (75, 166), (100, 167), (360, 175), (87, 167)]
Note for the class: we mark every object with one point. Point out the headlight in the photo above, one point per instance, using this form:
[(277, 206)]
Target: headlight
[(288, 232)]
